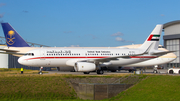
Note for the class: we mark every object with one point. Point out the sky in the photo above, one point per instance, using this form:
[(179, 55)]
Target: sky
[(87, 23)]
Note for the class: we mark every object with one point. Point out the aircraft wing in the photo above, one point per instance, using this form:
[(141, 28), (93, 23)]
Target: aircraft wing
[(71, 62), (116, 57), (112, 58)]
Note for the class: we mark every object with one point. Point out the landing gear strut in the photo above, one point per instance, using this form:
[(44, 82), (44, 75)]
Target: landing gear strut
[(99, 69), (40, 70)]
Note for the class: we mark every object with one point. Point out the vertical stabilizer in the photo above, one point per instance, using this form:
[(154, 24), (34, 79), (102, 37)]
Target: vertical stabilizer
[(13, 39), (152, 42)]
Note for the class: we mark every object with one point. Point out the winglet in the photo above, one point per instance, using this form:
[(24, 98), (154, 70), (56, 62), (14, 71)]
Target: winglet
[(13, 39)]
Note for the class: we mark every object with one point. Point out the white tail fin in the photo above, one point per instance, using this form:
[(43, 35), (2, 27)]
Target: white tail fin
[(152, 42)]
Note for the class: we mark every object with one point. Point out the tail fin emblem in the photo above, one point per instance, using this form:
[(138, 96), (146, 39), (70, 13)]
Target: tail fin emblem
[(10, 39), (153, 38)]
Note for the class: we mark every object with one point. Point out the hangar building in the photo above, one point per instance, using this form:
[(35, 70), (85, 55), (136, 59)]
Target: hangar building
[(172, 41)]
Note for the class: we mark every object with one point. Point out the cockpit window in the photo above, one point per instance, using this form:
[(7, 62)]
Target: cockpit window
[(29, 54)]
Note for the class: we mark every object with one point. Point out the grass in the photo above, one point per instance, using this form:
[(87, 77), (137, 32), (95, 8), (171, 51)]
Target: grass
[(154, 88), (54, 87), (35, 87), (27, 86)]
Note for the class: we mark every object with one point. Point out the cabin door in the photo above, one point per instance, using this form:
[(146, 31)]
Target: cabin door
[(42, 54)]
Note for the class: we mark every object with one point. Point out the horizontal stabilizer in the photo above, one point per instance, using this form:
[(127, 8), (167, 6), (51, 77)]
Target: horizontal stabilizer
[(9, 50), (161, 53), (12, 53)]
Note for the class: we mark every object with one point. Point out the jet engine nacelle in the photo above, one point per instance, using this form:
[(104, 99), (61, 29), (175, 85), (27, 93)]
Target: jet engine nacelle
[(84, 67)]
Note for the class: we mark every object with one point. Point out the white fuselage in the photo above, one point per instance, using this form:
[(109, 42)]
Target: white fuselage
[(68, 60), (63, 57)]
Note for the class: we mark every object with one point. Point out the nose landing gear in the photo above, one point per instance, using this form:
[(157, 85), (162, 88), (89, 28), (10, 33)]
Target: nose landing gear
[(40, 70)]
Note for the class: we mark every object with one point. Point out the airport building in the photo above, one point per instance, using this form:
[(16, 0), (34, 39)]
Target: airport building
[(172, 41)]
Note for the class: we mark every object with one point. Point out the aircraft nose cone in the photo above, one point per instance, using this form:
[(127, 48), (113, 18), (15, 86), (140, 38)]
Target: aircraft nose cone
[(20, 60)]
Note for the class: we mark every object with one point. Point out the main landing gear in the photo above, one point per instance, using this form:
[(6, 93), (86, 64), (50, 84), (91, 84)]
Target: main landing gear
[(100, 72), (99, 69), (40, 70)]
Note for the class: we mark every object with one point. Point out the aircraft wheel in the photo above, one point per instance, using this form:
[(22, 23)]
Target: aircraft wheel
[(40, 73), (171, 72), (155, 71), (179, 71), (86, 72), (100, 72)]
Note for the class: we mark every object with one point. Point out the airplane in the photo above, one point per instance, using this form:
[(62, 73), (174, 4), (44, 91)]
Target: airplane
[(83, 59)]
